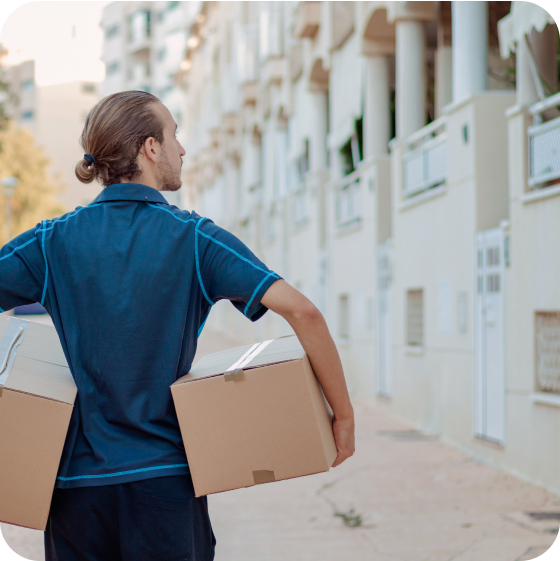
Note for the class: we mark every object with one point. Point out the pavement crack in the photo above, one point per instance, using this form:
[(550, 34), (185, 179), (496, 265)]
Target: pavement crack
[(454, 556)]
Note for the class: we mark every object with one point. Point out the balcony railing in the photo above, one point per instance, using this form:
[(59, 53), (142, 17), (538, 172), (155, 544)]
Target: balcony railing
[(424, 164), (348, 199), (544, 144), (139, 30)]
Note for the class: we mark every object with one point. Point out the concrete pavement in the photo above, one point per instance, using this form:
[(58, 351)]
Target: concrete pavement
[(404, 496)]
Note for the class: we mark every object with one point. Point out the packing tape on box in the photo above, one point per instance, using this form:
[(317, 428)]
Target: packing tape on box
[(13, 338), (235, 372), (261, 476)]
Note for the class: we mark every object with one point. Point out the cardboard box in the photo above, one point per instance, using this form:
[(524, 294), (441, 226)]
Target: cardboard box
[(251, 415), (37, 394)]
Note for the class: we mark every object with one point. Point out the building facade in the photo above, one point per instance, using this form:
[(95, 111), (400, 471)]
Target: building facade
[(55, 114), (396, 163)]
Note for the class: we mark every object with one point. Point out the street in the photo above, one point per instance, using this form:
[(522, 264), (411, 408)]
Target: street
[(404, 496)]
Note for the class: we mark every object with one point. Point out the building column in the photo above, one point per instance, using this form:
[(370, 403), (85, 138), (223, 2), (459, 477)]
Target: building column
[(410, 77), (377, 107), (525, 82), (443, 60), (319, 124), (470, 48)]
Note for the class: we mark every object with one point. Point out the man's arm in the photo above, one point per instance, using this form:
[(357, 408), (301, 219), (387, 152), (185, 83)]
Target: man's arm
[(312, 331)]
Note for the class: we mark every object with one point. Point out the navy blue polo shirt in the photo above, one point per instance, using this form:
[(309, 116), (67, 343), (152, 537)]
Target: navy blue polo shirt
[(129, 281)]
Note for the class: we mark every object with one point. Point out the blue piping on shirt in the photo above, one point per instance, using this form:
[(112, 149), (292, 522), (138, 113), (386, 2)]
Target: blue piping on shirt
[(120, 472), (46, 265), (17, 248), (65, 219), (172, 214), (196, 231), (202, 326), (237, 254), (256, 290)]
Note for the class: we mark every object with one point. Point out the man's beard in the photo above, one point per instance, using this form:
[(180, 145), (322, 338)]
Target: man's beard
[(170, 179)]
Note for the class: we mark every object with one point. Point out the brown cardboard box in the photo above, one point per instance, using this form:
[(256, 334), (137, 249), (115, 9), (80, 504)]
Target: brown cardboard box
[(37, 394), (251, 415)]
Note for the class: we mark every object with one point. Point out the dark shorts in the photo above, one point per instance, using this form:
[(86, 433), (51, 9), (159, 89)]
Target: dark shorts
[(139, 521)]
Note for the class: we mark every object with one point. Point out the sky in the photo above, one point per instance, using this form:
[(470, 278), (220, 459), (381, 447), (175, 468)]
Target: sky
[(64, 38)]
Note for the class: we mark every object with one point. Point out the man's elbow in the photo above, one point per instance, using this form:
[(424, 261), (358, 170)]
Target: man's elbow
[(307, 313)]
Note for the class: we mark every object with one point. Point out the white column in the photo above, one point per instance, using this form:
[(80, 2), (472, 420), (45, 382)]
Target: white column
[(377, 107), (318, 122), (410, 77), (444, 79), (525, 82), (470, 48)]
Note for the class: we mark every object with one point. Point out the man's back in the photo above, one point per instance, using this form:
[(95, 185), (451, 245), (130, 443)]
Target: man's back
[(129, 282)]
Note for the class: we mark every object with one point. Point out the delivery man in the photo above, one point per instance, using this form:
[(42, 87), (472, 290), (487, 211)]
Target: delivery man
[(129, 281)]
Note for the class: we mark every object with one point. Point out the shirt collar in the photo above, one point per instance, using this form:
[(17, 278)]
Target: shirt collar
[(130, 192)]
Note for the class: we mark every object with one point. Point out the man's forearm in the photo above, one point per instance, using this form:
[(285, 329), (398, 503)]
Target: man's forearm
[(313, 333)]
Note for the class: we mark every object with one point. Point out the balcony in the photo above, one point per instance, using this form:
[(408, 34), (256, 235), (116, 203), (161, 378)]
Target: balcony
[(544, 143), (424, 162), (139, 31)]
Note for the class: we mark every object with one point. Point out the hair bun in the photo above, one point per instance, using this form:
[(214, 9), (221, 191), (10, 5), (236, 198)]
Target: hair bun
[(85, 172)]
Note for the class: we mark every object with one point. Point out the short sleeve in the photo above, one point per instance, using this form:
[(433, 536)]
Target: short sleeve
[(22, 271), (228, 269)]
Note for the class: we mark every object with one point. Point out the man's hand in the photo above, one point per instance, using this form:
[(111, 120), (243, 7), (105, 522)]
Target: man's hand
[(312, 331), (343, 430)]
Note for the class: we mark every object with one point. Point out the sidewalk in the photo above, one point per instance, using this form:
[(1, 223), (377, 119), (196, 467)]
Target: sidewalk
[(403, 496)]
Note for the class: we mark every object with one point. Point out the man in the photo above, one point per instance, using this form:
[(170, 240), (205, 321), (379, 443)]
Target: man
[(129, 282)]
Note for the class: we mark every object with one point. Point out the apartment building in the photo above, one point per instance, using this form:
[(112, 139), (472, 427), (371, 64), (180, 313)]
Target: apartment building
[(397, 163), (55, 115), (144, 48)]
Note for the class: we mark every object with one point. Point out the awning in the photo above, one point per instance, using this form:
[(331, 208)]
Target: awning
[(523, 18)]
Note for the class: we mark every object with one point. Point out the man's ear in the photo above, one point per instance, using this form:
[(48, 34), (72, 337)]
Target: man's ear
[(151, 149)]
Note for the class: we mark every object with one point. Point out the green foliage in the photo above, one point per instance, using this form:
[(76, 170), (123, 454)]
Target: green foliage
[(6, 98), (350, 519), (35, 195)]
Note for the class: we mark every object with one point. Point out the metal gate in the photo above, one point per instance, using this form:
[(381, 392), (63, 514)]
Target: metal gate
[(384, 339), (489, 352)]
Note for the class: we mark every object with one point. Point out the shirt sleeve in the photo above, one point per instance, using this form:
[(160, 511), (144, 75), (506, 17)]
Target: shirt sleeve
[(228, 269), (22, 271)]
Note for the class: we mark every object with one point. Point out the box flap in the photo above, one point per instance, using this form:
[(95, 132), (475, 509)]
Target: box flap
[(268, 352), (40, 367)]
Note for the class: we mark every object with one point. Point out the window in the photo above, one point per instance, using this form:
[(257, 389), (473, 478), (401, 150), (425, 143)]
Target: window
[(88, 87), (27, 85), (352, 152), (173, 5), (161, 54), (547, 351), (27, 115), (112, 68), (415, 317), (343, 316), (112, 31)]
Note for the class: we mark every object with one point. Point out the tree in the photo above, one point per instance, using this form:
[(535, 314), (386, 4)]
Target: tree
[(35, 195)]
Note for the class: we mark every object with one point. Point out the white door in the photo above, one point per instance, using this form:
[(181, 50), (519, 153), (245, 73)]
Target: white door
[(489, 374), (384, 340)]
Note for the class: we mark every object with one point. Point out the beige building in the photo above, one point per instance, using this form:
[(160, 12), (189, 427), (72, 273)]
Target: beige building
[(55, 115), (395, 163)]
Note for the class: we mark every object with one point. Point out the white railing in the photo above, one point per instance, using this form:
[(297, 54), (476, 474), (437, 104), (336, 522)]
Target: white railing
[(348, 199), (424, 164), (544, 144), (299, 205)]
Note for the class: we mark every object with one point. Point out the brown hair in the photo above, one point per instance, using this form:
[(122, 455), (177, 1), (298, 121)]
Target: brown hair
[(113, 134)]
